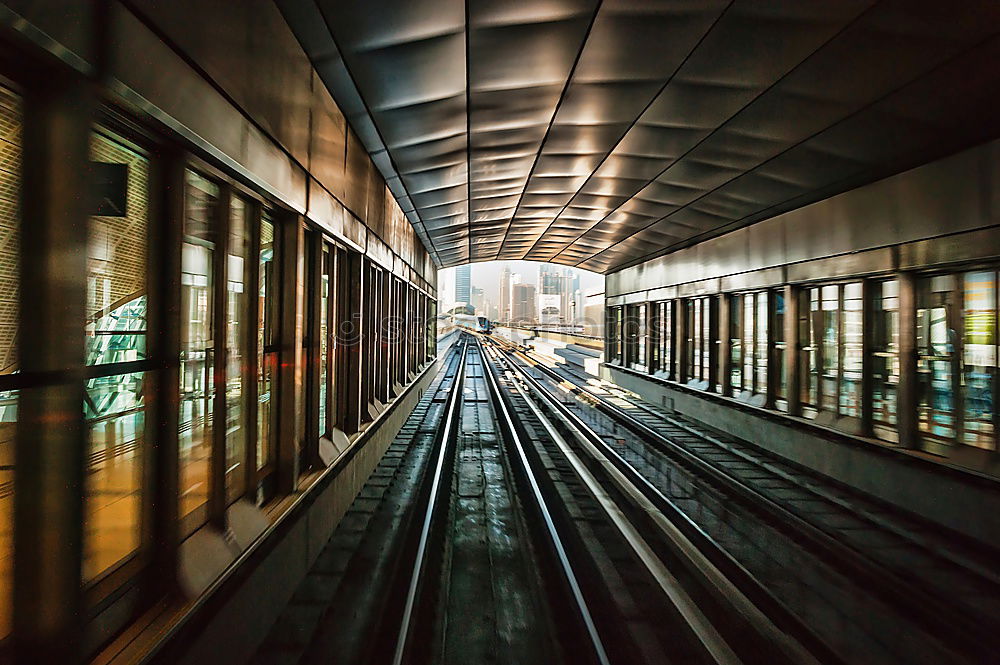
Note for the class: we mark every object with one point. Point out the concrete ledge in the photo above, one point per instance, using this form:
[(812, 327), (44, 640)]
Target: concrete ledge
[(964, 501)]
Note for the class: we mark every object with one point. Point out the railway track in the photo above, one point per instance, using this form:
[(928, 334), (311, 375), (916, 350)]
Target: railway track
[(880, 565)]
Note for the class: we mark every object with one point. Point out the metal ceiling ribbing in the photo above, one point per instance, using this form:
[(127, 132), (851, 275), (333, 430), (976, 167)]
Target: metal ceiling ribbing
[(599, 134)]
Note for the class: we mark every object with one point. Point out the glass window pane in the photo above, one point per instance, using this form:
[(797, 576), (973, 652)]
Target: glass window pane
[(778, 353), (115, 333), (979, 358), (885, 347), (761, 335), (748, 342), (850, 388), (324, 355), (936, 359), (197, 388), (116, 261), (640, 324), (706, 338), (266, 360), (114, 409), (10, 182), (236, 356), (830, 331), (736, 343)]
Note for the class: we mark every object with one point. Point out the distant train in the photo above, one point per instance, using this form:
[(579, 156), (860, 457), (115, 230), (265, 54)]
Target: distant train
[(480, 324)]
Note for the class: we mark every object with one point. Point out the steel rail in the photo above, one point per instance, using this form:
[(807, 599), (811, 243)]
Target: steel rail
[(923, 608), (649, 500), (451, 416), (567, 567)]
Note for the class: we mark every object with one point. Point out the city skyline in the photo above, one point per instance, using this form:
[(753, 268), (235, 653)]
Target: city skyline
[(486, 275), (519, 290)]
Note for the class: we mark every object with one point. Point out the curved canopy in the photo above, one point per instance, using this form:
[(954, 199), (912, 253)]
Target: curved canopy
[(599, 134)]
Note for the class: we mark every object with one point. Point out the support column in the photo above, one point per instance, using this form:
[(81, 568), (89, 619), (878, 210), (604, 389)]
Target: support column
[(162, 402), (907, 395), (793, 352), (289, 364), (349, 340), (220, 321), (867, 347), (51, 434), (683, 329)]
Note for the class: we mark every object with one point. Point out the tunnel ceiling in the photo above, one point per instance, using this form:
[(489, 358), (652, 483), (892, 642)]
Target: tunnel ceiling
[(601, 134)]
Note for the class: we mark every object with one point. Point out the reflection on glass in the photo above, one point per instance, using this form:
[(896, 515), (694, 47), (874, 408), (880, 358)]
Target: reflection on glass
[(736, 343), (979, 358), (885, 346), (666, 337), (115, 333), (10, 182), (761, 334), (936, 339), (115, 414), (324, 356), (830, 349), (779, 345), (748, 341), (850, 389), (640, 327), (706, 340), (809, 320), (236, 310), (266, 359), (197, 387), (116, 263), (696, 328)]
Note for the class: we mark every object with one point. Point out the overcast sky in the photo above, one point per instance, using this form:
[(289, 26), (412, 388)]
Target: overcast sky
[(487, 276)]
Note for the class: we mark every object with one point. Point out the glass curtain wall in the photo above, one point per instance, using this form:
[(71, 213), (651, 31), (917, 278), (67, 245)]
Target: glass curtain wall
[(114, 402)]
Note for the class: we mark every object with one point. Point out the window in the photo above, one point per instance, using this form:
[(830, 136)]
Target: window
[(736, 343), (10, 184), (197, 383), (237, 308), (761, 343), (325, 354), (267, 340), (749, 343), (979, 358), (831, 327), (637, 324), (778, 352), (615, 335), (957, 356), (114, 403), (666, 338), (885, 355), (851, 350)]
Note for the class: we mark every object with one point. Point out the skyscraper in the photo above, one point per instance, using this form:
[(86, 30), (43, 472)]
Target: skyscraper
[(504, 309), (522, 302), (463, 284)]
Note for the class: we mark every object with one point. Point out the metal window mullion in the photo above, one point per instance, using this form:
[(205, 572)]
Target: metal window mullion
[(252, 354), (313, 247), (867, 358), (793, 346), (906, 395), (285, 440)]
